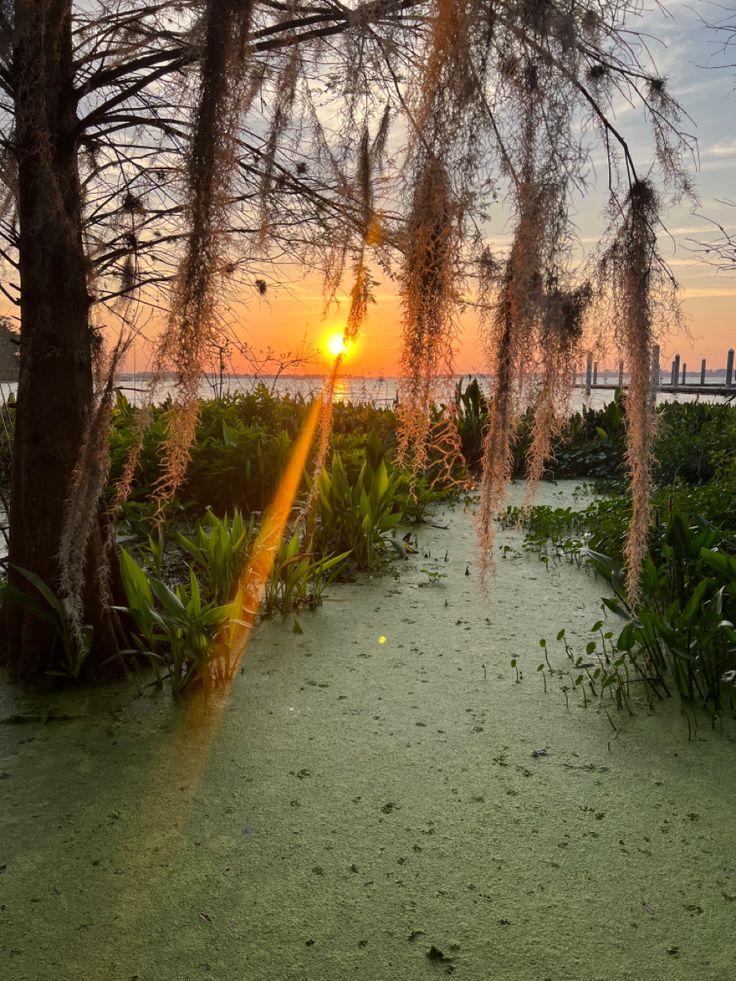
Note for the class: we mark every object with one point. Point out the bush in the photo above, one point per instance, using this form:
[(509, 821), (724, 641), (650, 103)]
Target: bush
[(694, 442), (681, 631), (242, 445)]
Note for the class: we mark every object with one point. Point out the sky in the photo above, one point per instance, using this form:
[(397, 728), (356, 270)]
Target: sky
[(688, 54)]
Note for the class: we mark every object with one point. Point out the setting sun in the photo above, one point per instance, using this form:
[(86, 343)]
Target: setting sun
[(335, 345)]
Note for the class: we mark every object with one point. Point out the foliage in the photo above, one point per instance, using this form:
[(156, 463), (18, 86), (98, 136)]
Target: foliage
[(180, 631), (682, 628), (358, 516), (694, 469), (472, 416), (565, 532), (694, 442), (185, 632), (679, 633), (592, 444), (219, 549), (357, 419), (238, 468), (74, 645), (297, 578), (241, 447)]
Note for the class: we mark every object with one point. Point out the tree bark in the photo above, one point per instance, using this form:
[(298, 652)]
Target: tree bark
[(55, 387)]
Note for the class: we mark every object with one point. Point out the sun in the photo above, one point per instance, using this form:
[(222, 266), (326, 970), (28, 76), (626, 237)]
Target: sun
[(335, 345)]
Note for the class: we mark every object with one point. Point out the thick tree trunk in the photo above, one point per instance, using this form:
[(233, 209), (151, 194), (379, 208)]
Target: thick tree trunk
[(55, 386)]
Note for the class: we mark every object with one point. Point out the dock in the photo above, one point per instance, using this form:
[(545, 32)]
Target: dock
[(677, 383)]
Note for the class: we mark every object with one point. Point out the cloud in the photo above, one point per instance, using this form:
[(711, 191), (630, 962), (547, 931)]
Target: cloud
[(707, 292), (725, 148)]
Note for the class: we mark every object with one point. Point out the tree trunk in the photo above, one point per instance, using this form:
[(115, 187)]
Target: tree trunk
[(55, 386)]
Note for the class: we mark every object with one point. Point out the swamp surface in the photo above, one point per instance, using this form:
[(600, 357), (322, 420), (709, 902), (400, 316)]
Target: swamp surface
[(367, 810)]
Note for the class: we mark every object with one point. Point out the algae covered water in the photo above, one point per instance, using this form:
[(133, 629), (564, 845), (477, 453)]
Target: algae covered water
[(365, 810)]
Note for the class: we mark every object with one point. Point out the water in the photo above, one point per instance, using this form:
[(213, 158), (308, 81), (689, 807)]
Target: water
[(379, 392)]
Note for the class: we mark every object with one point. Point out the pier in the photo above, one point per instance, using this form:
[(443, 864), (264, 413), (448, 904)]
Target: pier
[(677, 382)]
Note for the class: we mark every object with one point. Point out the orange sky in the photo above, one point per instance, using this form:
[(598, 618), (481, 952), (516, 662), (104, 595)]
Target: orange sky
[(292, 315)]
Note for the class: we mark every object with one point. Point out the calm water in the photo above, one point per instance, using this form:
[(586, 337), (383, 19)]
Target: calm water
[(379, 392)]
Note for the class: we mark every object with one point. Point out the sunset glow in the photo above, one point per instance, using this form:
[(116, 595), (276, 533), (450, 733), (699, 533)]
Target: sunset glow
[(336, 345)]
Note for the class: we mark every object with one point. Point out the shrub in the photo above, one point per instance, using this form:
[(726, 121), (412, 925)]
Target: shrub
[(695, 441), (682, 630)]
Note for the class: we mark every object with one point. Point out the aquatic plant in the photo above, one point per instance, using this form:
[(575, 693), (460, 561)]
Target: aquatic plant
[(358, 517), (680, 631), (218, 550), (184, 636), (298, 579)]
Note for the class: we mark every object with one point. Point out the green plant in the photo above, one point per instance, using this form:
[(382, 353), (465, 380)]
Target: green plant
[(297, 578), (682, 630), (434, 577), (185, 637), (358, 517), (219, 549), (471, 415), (71, 647), (694, 442)]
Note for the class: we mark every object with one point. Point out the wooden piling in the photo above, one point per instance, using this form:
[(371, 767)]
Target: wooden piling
[(654, 375)]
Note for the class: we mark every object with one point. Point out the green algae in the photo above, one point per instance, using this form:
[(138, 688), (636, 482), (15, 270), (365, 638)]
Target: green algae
[(368, 811)]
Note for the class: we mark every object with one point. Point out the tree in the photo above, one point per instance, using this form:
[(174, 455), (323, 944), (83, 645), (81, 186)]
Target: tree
[(154, 152)]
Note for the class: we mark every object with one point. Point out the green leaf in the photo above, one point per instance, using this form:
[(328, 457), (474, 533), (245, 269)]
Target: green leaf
[(40, 611), (51, 598), (381, 480)]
